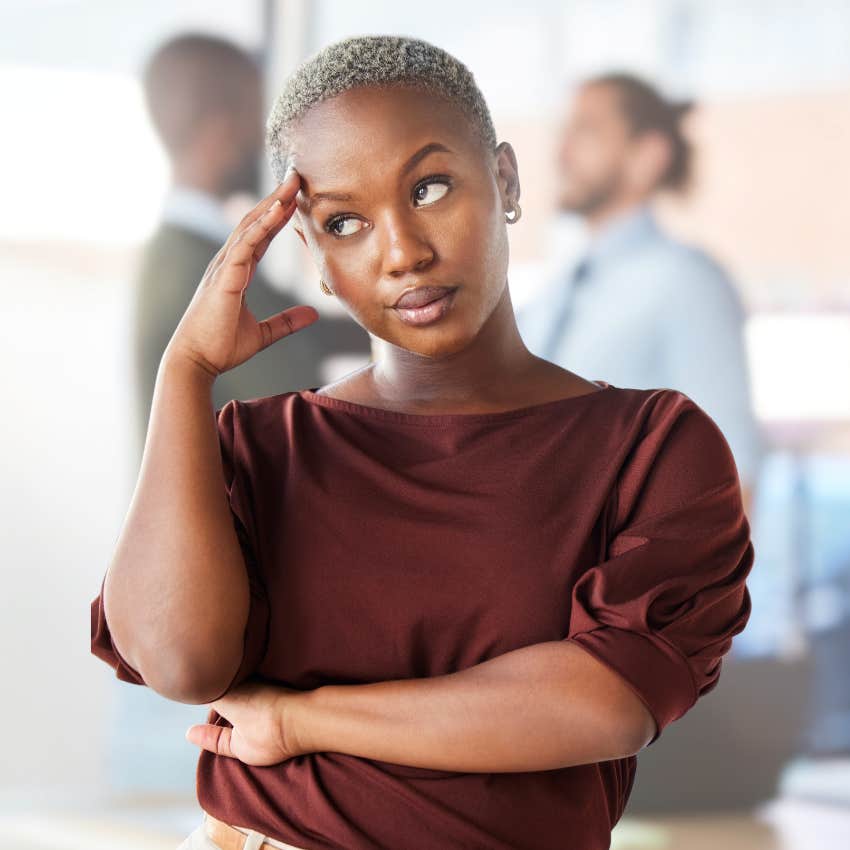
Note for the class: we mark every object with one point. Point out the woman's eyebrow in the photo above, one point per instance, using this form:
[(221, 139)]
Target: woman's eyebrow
[(431, 147), (425, 150)]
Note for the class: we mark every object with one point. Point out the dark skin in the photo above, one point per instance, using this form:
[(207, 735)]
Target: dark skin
[(559, 705), (400, 233)]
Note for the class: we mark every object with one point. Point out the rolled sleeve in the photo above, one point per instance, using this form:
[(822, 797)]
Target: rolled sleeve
[(233, 454), (661, 610)]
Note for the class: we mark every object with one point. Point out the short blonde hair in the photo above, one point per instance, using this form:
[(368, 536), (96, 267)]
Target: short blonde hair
[(373, 60)]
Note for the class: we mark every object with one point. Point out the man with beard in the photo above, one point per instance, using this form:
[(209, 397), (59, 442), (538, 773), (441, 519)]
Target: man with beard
[(640, 309), (204, 99)]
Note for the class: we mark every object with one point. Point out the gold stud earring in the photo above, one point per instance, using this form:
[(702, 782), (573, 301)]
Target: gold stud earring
[(516, 209), (324, 287)]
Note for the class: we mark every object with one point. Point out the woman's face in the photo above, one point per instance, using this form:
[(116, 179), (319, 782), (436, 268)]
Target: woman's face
[(424, 205)]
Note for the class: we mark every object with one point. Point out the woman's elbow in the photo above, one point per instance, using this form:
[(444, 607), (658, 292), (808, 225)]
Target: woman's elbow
[(191, 678)]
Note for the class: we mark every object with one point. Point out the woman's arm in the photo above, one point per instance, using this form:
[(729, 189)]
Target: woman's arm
[(176, 593), (544, 706)]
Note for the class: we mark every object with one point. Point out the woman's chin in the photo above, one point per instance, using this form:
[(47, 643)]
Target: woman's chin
[(436, 345)]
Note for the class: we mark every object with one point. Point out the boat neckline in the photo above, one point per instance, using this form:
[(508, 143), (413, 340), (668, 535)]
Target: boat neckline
[(330, 402)]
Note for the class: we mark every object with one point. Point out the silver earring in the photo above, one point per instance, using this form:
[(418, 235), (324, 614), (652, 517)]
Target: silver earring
[(324, 287), (516, 209)]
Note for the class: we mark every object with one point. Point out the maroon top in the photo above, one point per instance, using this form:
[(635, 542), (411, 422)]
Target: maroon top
[(384, 545)]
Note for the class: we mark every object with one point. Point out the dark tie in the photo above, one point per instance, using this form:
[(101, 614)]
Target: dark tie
[(578, 276)]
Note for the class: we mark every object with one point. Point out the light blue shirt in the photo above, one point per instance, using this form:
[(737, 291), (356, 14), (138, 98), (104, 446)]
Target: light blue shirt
[(651, 312)]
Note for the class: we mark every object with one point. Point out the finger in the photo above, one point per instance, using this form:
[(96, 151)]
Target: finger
[(271, 222), (286, 322), (216, 739), (237, 233), (285, 191), (241, 255), (263, 245), (213, 264)]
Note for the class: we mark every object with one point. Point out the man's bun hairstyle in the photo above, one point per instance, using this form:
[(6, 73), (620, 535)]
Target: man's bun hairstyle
[(646, 110)]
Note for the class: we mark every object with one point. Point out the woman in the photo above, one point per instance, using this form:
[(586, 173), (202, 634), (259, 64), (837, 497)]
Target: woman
[(448, 597)]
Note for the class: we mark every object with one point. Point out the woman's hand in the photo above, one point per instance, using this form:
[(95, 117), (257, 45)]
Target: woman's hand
[(263, 721), (218, 331)]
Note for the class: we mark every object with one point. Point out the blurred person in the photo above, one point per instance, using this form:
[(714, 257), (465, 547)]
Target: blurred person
[(445, 600), (204, 98), (640, 307)]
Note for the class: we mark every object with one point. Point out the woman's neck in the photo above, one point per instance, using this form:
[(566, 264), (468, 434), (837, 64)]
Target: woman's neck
[(491, 369)]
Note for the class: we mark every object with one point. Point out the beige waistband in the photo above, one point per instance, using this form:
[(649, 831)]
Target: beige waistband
[(241, 837)]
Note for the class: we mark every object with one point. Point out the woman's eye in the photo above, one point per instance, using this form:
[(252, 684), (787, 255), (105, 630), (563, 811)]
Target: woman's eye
[(426, 193), (332, 226), (423, 192)]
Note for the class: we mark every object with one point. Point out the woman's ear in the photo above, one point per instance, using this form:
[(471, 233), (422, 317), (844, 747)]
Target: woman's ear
[(507, 174)]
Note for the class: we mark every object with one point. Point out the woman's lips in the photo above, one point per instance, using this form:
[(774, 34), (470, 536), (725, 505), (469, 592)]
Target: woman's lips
[(429, 312), (421, 295)]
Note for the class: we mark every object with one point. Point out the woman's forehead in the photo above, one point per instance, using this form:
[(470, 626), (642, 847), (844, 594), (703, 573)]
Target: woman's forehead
[(367, 128)]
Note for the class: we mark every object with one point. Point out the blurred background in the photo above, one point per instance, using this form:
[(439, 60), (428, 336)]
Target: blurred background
[(91, 214)]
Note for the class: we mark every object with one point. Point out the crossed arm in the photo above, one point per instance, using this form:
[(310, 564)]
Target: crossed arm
[(544, 706)]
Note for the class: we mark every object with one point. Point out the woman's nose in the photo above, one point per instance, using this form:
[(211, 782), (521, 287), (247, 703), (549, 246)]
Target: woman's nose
[(405, 245)]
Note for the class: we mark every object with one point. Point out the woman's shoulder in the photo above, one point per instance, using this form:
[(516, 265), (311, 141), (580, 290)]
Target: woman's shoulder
[(674, 442), (660, 411), (256, 405), (666, 408), (251, 419)]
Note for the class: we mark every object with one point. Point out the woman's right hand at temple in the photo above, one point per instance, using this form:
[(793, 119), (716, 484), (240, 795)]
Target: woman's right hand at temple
[(218, 332)]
